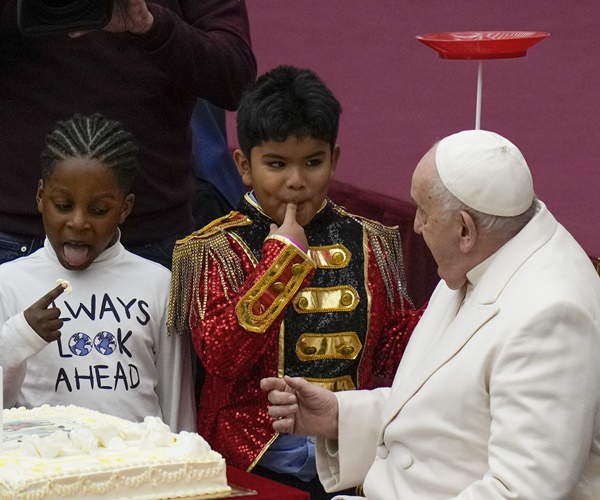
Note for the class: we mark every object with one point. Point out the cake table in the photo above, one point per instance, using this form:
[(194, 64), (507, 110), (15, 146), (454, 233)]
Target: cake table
[(255, 487)]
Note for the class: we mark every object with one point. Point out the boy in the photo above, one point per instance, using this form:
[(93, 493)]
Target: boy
[(103, 346), (322, 296)]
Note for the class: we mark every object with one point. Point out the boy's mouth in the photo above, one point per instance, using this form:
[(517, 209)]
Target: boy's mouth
[(298, 203), (76, 254)]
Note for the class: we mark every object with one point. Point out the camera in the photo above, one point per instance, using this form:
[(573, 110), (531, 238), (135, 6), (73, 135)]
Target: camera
[(41, 17)]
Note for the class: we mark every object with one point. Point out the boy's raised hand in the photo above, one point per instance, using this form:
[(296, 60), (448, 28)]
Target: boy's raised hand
[(290, 226), (45, 320)]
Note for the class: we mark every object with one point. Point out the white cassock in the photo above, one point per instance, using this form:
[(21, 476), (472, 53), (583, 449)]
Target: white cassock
[(500, 400)]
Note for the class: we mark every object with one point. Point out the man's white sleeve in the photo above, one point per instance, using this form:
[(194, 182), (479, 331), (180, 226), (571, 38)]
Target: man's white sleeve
[(344, 463)]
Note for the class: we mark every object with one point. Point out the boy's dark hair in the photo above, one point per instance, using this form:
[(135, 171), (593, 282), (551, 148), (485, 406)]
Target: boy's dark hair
[(96, 138), (285, 102)]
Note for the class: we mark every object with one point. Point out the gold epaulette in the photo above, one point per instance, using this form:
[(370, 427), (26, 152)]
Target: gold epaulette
[(387, 249), (232, 219), (192, 257)]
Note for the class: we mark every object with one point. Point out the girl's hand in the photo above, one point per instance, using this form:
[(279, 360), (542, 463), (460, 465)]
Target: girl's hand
[(45, 320)]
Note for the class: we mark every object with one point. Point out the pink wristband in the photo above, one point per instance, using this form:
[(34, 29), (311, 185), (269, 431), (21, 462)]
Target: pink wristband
[(296, 242)]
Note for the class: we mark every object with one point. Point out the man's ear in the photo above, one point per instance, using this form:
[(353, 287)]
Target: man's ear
[(38, 195), (243, 167), (468, 232), (126, 207)]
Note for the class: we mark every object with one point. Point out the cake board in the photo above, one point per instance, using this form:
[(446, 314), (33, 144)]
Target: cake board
[(236, 492)]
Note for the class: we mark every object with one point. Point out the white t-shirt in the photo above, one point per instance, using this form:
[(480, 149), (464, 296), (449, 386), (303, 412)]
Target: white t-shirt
[(114, 354)]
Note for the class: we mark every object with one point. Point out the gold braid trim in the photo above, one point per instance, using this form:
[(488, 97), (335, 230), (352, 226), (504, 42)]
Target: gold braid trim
[(192, 258), (268, 310), (387, 249)]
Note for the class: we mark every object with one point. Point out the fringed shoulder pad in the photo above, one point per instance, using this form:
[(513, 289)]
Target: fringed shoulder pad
[(231, 220), (192, 258), (387, 249)]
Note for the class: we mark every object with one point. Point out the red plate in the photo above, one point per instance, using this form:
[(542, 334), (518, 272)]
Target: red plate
[(482, 44)]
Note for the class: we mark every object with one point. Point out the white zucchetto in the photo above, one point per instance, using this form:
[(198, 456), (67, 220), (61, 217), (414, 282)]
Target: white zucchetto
[(486, 172)]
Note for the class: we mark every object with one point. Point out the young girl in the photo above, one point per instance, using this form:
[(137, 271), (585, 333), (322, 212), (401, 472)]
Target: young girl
[(103, 346)]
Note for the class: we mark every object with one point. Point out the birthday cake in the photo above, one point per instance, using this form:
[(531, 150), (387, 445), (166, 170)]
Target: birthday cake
[(55, 452)]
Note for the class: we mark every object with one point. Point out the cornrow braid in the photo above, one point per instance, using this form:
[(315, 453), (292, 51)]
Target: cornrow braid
[(96, 138)]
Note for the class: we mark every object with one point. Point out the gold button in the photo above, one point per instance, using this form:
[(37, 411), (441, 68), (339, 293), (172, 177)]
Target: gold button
[(278, 286), (302, 303), (309, 350), (297, 269), (346, 299), (346, 350), (337, 258)]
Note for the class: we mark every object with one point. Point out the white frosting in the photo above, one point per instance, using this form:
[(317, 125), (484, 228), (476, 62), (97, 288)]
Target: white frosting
[(65, 284), (56, 452)]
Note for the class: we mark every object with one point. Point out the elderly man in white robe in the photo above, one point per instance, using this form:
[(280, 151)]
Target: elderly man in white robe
[(498, 393)]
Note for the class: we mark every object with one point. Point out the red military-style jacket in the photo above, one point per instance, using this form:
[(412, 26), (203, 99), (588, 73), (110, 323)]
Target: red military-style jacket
[(258, 306)]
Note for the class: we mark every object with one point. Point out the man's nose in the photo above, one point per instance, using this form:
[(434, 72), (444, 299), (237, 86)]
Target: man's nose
[(417, 225)]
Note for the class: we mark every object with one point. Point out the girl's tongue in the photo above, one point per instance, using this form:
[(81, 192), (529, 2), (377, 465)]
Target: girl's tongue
[(76, 255)]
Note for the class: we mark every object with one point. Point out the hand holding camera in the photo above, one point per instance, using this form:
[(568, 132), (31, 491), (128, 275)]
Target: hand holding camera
[(77, 17), (130, 15)]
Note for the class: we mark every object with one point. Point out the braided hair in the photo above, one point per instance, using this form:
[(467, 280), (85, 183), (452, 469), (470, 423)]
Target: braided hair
[(96, 138)]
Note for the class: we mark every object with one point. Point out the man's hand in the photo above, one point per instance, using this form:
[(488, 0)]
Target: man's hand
[(299, 407), (290, 226), (127, 15), (45, 320), (130, 15)]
